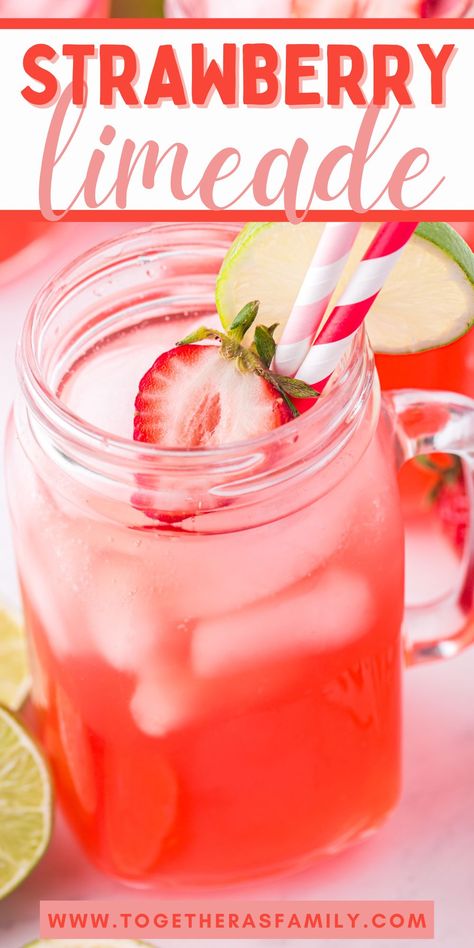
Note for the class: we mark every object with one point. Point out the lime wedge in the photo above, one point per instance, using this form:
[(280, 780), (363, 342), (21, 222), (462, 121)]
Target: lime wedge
[(427, 301), (14, 672), (25, 804), (87, 943)]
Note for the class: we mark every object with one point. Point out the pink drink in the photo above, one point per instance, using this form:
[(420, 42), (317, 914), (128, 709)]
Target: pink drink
[(207, 685)]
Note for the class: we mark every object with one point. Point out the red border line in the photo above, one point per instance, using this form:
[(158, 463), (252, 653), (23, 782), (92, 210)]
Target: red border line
[(221, 23), (203, 216)]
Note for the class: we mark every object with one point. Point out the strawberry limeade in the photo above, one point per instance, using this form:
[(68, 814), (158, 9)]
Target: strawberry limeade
[(215, 634), (197, 678)]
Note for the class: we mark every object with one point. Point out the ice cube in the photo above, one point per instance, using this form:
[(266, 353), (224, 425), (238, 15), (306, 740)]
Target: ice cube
[(125, 620), (215, 575), (54, 556), (45, 611), (334, 609), (40, 685), (54, 604), (162, 701)]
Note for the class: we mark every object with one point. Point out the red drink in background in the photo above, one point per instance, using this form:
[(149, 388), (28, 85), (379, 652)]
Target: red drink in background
[(449, 368), (435, 500), (18, 234)]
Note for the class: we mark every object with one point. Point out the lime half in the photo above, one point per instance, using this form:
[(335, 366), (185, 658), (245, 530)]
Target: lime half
[(14, 672), (25, 804), (427, 301)]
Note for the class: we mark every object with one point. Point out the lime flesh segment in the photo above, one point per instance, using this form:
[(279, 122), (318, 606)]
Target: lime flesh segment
[(427, 301), (25, 804), (88, 943), (14, 671)]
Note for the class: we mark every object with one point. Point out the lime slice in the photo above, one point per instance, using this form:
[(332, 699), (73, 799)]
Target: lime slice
[(427, 301), (87, 943), (25, 804), (14, 672)]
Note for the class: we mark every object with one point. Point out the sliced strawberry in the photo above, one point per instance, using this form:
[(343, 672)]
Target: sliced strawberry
[(205, 396), (448, 495), (452, 505), (192, 397)]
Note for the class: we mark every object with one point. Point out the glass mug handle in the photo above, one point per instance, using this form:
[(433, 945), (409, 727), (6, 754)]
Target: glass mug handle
[(427, 422)]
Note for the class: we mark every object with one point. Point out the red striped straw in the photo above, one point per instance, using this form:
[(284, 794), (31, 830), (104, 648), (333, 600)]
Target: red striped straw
[(345, 319), (319, 283)]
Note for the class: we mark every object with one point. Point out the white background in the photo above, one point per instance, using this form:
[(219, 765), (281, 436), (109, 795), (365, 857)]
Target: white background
[(445, 132)]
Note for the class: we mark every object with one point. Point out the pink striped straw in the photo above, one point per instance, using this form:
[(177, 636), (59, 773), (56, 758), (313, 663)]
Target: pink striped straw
[(319, 283), (363, 288)]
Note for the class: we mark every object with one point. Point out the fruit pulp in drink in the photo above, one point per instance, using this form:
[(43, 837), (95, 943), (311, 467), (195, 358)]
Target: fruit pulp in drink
[(220, 703)]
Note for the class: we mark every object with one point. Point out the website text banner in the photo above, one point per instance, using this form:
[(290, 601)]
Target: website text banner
[(243, 120), (153, 918)]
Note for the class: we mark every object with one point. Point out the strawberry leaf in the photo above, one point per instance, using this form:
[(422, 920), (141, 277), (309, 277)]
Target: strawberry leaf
[(199, 334), (295, 387), (287, 400), (265, 345), (244, 320)]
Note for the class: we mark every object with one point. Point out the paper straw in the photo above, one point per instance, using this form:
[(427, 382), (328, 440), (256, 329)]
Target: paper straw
[(319, 283), (363, 288)]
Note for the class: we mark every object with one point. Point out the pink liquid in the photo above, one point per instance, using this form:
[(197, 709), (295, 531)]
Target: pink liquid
[(216, 702)]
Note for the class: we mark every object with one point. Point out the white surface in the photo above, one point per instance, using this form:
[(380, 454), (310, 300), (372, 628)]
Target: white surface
[(425, 851)]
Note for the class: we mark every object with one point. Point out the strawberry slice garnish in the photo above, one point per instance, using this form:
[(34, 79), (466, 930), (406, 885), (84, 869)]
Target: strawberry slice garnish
[(193, 398), (453, 508), (448, 495), (204, 396)]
